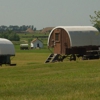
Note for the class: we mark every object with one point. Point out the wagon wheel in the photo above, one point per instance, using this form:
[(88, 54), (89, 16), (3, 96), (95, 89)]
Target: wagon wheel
[(85, 57), (73, 57)]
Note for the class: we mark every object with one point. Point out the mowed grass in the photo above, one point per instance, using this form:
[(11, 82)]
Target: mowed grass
[(32, 79)]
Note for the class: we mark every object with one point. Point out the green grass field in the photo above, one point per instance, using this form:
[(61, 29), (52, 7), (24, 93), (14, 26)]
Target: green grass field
[(32, 79)]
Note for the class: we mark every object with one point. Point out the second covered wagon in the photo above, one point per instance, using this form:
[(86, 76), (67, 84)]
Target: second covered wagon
[(71, 40)]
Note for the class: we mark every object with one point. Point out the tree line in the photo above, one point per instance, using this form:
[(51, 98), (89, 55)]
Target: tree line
[(10, 35), (17, 28)]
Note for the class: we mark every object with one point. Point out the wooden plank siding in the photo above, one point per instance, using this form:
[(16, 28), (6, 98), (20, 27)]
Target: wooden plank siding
[(62, 43)]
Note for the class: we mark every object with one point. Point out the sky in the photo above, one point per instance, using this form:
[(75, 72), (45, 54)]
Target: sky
[(47, 13)]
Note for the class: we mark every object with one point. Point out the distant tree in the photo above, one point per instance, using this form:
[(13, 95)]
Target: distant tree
[(32, 27), (29, 40), (95, 20), (13, 37), (9, 34), (35, 29)]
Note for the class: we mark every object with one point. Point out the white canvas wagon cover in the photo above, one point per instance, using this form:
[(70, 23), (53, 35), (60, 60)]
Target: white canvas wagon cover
[(23, 45), (80, 35), (6, 47)]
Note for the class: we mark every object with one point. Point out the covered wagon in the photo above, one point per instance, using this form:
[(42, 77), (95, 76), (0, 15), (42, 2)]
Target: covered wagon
[(6, 51), (74, 40), (24, 47)]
